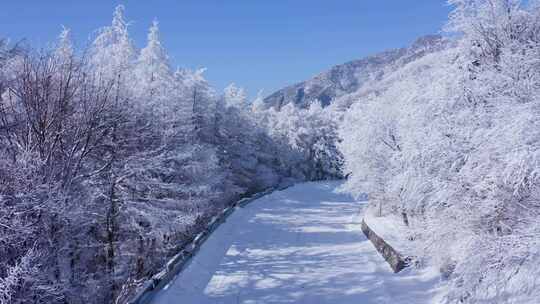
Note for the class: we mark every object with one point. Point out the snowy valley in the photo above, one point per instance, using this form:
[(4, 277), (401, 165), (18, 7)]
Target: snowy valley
[(112, 161)]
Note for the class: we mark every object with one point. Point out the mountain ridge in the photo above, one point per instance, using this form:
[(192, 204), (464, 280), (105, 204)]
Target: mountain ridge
[(349, 77)]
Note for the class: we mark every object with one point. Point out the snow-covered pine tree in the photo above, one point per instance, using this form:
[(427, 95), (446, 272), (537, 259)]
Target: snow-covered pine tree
[(153, 72), (112, 52)]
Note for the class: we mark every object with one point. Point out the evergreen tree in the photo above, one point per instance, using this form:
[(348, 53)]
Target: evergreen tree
[(152, 70), (112, 53)]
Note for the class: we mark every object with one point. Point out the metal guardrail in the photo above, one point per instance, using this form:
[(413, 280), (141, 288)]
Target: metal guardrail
[(177, 263)]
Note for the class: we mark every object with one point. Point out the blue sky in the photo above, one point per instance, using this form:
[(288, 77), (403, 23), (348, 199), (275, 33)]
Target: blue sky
[(258, 44)]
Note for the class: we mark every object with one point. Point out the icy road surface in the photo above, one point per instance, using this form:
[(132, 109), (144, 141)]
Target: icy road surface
[(300, 245)]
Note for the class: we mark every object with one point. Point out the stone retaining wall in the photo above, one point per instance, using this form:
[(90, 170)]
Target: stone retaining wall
[(396, 261)]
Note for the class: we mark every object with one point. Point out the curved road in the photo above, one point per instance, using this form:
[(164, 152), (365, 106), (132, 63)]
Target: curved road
[(300, 245)]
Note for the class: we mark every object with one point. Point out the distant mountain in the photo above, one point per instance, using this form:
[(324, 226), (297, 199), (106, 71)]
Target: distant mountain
[(350, 77)]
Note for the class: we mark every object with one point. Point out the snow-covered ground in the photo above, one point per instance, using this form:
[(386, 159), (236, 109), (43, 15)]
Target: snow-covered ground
[(300, 245)]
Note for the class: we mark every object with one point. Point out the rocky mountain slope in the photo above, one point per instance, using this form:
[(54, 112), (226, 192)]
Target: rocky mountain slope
[(351, 76)]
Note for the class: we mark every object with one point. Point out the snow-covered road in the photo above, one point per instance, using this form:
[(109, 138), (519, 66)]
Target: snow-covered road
[(300, 245)]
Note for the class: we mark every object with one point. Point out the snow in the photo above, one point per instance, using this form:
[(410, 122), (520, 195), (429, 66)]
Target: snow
[(300, 245)]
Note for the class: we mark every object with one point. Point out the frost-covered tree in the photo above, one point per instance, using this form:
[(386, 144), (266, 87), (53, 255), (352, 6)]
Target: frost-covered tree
[(450, 145), (112, 52), (312, 133), (234, 96), (152, 71), (53, 123), (64, 49), (258, 103), (203, 101), (244, 147)]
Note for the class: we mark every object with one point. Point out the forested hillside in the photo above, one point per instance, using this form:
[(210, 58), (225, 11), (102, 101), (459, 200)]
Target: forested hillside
[(450, 143), (110, 160)]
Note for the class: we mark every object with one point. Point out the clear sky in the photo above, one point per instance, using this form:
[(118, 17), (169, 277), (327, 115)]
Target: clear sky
[(258, 44)]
